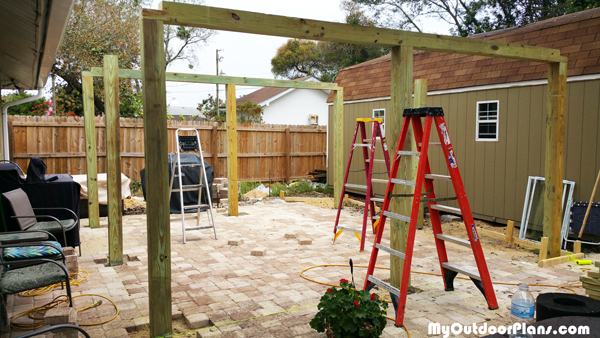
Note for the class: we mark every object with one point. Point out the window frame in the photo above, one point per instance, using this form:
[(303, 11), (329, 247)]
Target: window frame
[(383, 124), (478, 121)]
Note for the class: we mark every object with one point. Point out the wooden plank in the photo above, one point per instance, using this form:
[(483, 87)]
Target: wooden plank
[(157, 179), (420, 100), (113, 159), (559, 260), (543, 248), (577, 247), (232, 162), (510, 227), (401, 95), (274, 25), (215, 149), (338, 145), (555, 146), (287, 148), (240, 81), (90, 152)]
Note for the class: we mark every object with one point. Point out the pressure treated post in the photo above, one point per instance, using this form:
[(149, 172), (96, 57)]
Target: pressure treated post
[(420, 100), (215, 150), (232, 177), (113, 159), (157, 178), (555, 145), (91, 159), (287, 147), (338, 144), (401, 94)]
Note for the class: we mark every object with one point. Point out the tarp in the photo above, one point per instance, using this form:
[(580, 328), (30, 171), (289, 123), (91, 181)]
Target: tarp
[(103, 187)]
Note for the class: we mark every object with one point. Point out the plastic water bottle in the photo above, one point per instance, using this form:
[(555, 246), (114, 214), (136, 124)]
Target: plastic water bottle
[(522, 309)]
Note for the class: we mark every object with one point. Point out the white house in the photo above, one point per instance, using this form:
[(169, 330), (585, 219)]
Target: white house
[(291, 105)]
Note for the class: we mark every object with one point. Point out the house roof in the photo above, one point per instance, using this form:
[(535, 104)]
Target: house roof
[(265, 93), (576, 35)]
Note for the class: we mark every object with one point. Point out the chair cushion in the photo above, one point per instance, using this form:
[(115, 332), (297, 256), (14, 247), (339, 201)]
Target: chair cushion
[(52, 226), (31, 277), (28, 252)]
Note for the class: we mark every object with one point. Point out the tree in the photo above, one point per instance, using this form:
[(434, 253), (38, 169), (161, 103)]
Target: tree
[(208, 108), (245, 113), (249, 112)]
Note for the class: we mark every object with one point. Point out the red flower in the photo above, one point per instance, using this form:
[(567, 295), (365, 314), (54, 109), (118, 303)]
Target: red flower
[(373, 296), (329, 291), (343, 281), (356, 303)]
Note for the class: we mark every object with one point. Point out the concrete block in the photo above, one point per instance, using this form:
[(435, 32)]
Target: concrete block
[(259, 252), (451, 218), (304, 241), (61, 315), (100, 258), (235, 242), (72, 267), (196, 321), (175, 313), (71, 258), (67, 250), (290, 236)]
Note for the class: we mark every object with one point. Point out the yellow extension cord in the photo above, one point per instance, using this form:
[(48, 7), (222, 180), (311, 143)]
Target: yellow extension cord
[(568, 287), (38, 321)]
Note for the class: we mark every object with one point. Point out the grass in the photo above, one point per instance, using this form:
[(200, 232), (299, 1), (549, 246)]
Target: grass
[(302, 188), (248, 186)]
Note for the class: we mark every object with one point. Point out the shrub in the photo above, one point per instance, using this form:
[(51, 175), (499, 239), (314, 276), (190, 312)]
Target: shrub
[(248, 186), (276, 188)]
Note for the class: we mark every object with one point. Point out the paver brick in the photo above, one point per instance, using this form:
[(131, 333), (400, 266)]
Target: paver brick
[(259, 252), (197, 320)]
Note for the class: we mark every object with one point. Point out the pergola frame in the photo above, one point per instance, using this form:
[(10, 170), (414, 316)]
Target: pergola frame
[(402, 44)]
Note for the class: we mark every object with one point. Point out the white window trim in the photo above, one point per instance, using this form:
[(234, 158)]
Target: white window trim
[(497, 120), (383, 124)]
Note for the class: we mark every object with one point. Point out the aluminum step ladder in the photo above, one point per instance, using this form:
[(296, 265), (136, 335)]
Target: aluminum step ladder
[(191, 144), (481, 278), (369, 159)]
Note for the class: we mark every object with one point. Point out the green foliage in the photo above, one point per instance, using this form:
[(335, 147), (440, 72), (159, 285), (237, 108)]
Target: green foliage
[(300, 187), (131, 104), (347, 312), (248, 186), (246, 113), (69, 101), (135, 186), (27, 108), (276, 188), (249, 113), (208, 108)]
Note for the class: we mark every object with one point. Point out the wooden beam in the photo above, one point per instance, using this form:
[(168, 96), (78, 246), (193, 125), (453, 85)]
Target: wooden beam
[(157, 178), (515, 240), (419, 101), (232, 176), (338, 145), (555, 147), (559, 260), (257, 23), (577, 247), (240, 81), (510, 228), (401, 97), (215, 150), (287, 154), (113, 159), (91, 159), (543, 248)]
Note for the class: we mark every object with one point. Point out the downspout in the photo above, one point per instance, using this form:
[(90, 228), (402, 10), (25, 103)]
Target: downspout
[(5, 116)]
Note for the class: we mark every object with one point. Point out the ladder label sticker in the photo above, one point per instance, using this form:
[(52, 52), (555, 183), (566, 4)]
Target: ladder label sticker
[(475, 238), (445, 133), (452, 159)]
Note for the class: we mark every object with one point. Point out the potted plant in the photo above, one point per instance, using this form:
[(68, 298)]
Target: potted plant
[(346, 312)]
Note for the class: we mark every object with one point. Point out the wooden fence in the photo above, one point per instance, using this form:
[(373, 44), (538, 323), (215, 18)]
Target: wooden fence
[(265, 152)]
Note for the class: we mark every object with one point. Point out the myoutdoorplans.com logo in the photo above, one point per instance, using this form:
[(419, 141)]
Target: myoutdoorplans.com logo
[(460, 329)]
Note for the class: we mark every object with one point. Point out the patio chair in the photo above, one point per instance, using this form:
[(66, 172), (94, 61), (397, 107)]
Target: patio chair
[(20, 256), (28, 220), (55, 327)]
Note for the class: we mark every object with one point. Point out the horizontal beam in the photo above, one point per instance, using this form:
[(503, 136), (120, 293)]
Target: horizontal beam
[(232, 80), (257, 23)]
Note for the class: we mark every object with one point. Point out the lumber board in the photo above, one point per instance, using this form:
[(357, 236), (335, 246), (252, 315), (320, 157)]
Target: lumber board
[(420, 100), (157, 178), (555, 156), (559, 260), (299, 28), (232, 158), (515, 240), (590, 280), (577, 247), (113, 159), (510, 227), (543, 248), (338, 147), (589, 286), (91, 160)]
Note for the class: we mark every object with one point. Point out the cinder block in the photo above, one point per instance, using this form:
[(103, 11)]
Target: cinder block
[(290, 236), (235, 242), (61, 315), (196, 321), (304, 241), (72, 267), (71, 258), (259, 252), (67, 250), (450, 218)]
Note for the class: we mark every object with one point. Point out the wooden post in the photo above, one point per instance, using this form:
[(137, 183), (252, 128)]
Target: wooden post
[(510, 227), (157, 177), (113, 159), (543, 248), (555, 146), (287, 146), (91, 159), (577, 247), (420, 101), (232, 177), (401, 93), (215, 150), (338, 145)]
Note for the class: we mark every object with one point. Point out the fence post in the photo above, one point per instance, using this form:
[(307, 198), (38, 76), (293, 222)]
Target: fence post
[(288, 144), (91, 159), (215, 149), (232, 170)]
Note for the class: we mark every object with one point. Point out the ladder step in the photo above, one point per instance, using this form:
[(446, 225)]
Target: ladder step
[(410, 183), (376, 217), (358, 186), (361, 145), (433, 144), (446, 208), (409, 153), (377, 199), (191, 165), (195, 206), (390, 251), (378, 180), (396, 216), (200, 227), (376, 160), (367, 140), (348, 229), (459, 269), (438, 177), (454, 240), (384, 285)]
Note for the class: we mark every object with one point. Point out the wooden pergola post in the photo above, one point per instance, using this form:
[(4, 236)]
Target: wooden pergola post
[(338, 145), (420, 100), (555, 147), (401, 95), (157, 177), (113, 159), (232, 177), (91, 161)]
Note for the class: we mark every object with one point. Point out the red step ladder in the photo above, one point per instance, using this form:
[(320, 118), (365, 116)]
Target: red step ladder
[(369, 159), (481, 278)]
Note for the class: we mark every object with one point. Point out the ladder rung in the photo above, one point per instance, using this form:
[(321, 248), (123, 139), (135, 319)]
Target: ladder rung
[(378, 180), (454, 240), (367, 140), (376, 217), (376, 160), (200, 227), (397, 181), (409, 153), (390, 251), (384, 285), (459, 269), (195, 206), (192, 186), (191, 165), (432, 144), (348, 229), (361, 145), (396, 216), (377, 199), (438, 177), (358, 186), (446, 209)]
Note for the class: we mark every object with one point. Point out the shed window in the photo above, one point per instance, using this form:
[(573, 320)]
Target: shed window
[(487, 121), (380, 114)]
